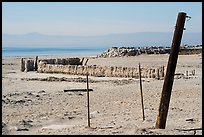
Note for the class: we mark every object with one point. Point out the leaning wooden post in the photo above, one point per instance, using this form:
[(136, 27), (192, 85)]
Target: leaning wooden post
[(169, 78), (88, 99), (141, 93), (86, 61), (82, 61)]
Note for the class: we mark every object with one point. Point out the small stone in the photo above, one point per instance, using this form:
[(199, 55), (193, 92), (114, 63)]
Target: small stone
[(3, 124), (22, 129), (37, 95), (190, 119), (80, 94), (19, 101), (42, 91)]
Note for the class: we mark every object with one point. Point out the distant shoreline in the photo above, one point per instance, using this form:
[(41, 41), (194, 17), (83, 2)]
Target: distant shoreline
[(136, 51), (47, 51), (94, 51)]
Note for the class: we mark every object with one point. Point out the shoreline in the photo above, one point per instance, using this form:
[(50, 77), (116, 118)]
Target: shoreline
[(54, 56)]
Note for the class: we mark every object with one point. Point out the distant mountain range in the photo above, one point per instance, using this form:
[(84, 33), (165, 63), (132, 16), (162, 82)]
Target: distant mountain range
[(127, 39)]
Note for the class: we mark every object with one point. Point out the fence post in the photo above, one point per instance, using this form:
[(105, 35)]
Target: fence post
[(36, 63), (88, 99), (169, 78), (86, 61), (22, 65), (141, 93), (162, 71)]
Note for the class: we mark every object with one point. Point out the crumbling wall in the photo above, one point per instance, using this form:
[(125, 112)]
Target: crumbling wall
[(62, 61), (73, 66), (101, 71), (32, 65), (27, 65)]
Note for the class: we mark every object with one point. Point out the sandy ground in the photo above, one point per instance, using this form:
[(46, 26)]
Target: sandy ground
[(32, 106)]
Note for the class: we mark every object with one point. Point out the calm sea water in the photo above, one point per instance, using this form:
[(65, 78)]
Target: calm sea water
[(35, 51)]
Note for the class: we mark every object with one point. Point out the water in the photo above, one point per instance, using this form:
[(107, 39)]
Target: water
[(36, 51)]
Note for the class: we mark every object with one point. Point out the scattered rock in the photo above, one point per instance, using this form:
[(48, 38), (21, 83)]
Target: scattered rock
[(7, 100), (14, 94), (37, 95), (80, 94), (41, 91), (3, 101), (94, 114), (29, 93), (71, 117), (3, 124), (22, 129), (25, 124), (5, 131), (17, 101), (146, 131), (190, 119)]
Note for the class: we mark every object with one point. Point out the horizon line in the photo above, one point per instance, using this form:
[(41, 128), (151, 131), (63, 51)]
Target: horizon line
[(91, 35)]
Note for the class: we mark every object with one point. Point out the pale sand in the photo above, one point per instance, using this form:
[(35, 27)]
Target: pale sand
[(115, 103)]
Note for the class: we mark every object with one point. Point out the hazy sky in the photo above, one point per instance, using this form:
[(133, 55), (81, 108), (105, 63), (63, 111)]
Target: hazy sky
[(97, 18)]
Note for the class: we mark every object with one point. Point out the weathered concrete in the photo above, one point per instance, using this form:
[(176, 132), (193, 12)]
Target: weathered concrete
[(63, 61), (73, 66), (101, 71), (29, 65), (32, 64)]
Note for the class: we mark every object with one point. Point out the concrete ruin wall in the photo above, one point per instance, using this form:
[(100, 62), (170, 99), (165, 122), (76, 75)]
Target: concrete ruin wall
[(101, 71), (30, 64), (27, 65), (62, 61), (73, 66)]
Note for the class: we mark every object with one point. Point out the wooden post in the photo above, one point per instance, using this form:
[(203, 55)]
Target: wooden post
[(82, 61), (36, 63), (22, 65), (88, 100), (157, 73), (163, 71), (86, 61), (169, 78), (141, 93)]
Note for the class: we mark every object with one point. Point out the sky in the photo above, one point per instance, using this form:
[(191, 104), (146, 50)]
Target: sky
[(97, 18)]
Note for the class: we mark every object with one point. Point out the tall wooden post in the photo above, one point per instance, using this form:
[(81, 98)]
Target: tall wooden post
[(88, 100), (141, 93), (169, 78)]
